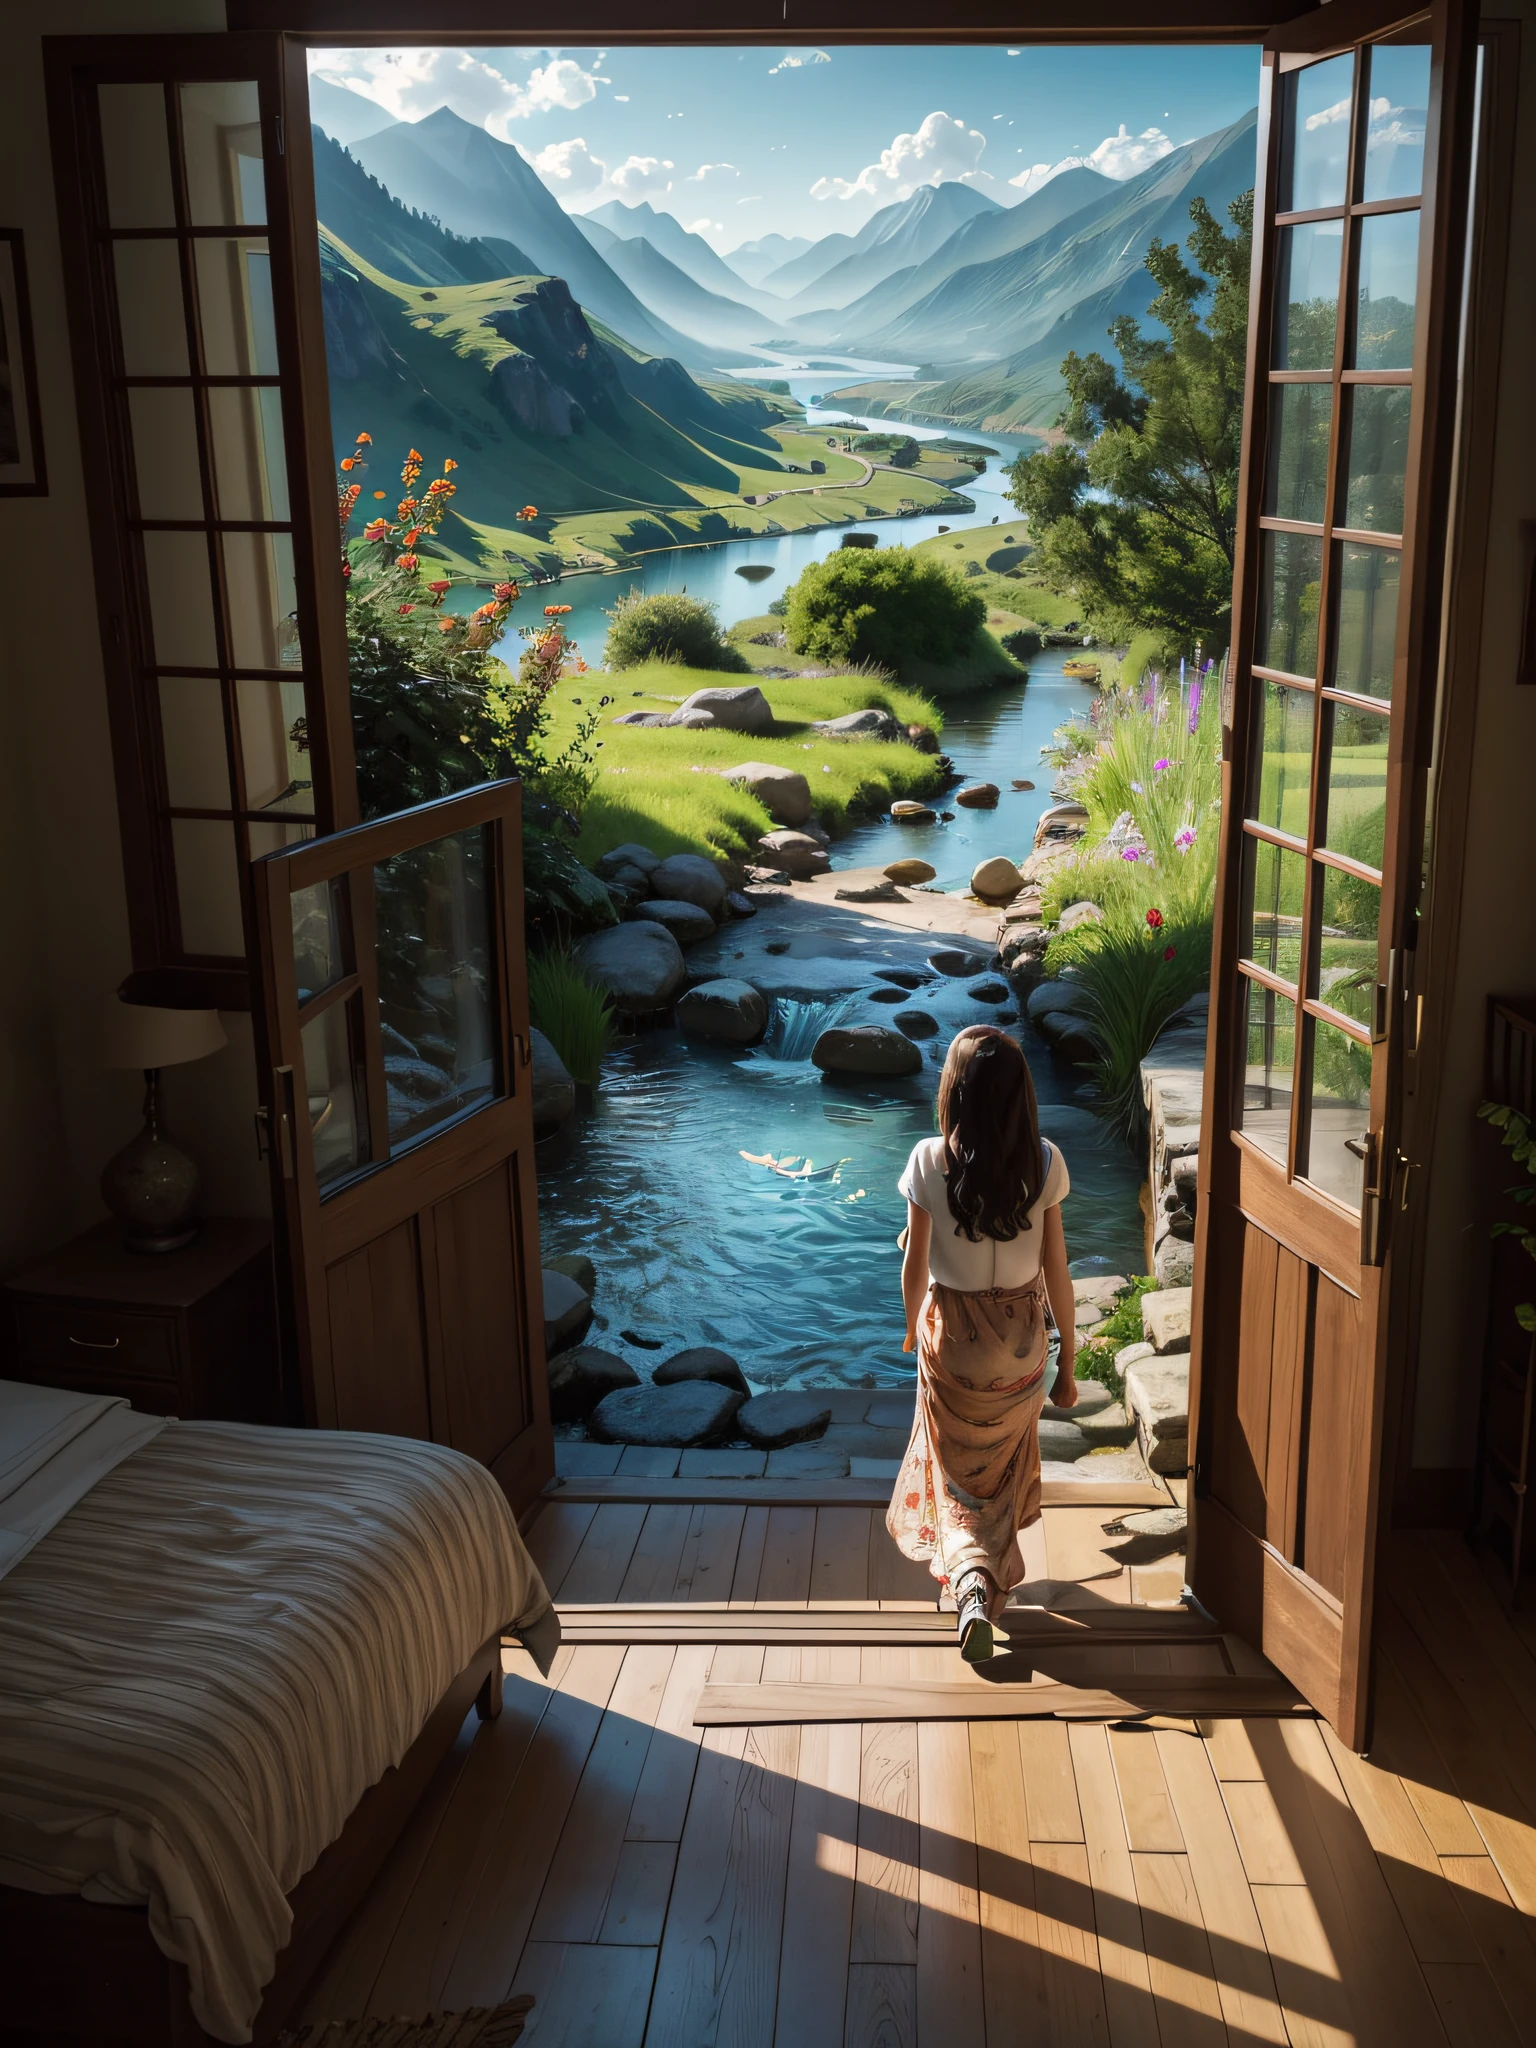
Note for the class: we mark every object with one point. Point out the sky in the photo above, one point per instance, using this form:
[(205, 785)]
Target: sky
[(739, 143)]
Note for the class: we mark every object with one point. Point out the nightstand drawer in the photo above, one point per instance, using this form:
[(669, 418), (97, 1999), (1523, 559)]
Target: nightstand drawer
[(54, 1336)]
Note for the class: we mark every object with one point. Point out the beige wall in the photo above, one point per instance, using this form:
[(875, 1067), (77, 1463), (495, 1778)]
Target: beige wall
[(66, 936)]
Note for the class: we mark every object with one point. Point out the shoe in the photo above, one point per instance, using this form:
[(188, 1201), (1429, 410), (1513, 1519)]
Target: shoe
[(972, 1619)]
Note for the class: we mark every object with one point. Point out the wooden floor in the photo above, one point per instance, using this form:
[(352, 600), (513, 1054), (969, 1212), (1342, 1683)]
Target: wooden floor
[(957, 1883)]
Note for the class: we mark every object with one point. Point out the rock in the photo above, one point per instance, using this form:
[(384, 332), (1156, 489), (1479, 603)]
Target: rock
[(924, 738), (1165, 1318), (910, 872), (690, 878), (1062, 821), (996, 880), (916, 1024), (872, 892), (643, 718), (1080, 913), (1091, 1397), (1064, 997), (783, 792), (701, 1362), (629, 882), (988, 991), (888, 995), (1157, 1397), (1173, 1263), (639, 964), (739, 904), (1062, 1441), (869, 724), (1024, 944), (728, 1464), (689, 1412), (902, 977), (957, 964), (567, 1311), (741, 708), (797, 853), (1022, 782), (578, 1267), (731, 1011), (1132, 1354), (554, 1092), (771, 1421), (865, 1049), (808, 1461), (1103, 1288), (579, 1379), (630, 855), (1066, 1036), (685, 921), (1107, 1425), (977, 796), (907, 811)]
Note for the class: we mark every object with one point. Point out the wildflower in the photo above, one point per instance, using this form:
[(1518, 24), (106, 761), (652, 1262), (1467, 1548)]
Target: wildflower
[(440, 487), (1137, 787), (414, 455), (1155, 920), (449, 463), (1169, 951), (486, 611), (529, 512), (376, 529), (406, 608), (446, 625), (365, 440), (1159, 766), (378, 494), (407, 561), (409, 540), (439, 588), (349, 462), (505, 593), (1130, 853), (1185, 840)]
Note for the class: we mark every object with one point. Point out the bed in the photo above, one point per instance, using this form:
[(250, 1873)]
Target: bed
[(230, 1658)]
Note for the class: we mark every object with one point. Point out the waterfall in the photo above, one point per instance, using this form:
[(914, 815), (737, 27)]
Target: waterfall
[(797, 1025)]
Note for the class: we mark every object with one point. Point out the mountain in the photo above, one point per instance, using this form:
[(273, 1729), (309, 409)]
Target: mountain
[(345, 115), (752, 261), (667, 235), (459, 174), (897, 235), (670, 292), (361, 212)]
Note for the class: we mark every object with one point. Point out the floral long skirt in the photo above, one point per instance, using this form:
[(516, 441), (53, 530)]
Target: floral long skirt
[(970, 1480)]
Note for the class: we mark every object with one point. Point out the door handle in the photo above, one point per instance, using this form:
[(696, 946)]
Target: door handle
[(93, 1344), (1372, 1203), (283, 1119)]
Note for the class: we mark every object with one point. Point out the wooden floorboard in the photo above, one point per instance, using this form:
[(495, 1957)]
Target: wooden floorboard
[(942, 1699), (1022, 1628), (632, 1489)]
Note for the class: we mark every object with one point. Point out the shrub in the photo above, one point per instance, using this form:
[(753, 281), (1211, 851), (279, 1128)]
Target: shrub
[(573, 1015), (1024, 644), (668, 627), (882, 605), (1122, 1326)]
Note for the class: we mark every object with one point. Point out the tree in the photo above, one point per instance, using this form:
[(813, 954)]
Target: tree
[(668, 627), (1135, 511), (882, 606)]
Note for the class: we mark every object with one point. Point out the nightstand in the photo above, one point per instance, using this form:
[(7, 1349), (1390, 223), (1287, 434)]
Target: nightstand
[(191, 1333)]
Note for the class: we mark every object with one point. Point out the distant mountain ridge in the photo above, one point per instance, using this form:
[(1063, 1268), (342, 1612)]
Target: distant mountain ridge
[(364, 214), (672, 293), (753, 260), (900, 234), (690, 252)]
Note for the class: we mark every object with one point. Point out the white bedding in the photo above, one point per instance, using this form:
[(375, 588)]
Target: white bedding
[(214, 1653), (54, 1446)]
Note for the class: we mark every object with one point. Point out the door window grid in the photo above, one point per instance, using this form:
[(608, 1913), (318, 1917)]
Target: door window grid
[(237, 637), (1324, 1039)]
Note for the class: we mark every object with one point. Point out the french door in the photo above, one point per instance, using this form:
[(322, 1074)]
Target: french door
[(1360, 210), (392, 989)]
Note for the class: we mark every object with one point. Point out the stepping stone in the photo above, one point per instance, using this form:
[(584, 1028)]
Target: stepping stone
[(807, 1461), (723, 1464), (1108, 1426), (702, 1362), (1157, 1396), (578, 1267), (977, 796), (956, 964), (1165, 1318), (772, 1421), (1062, 1440), (892, 1411), (567, 1311), (580, 1378), (1151, 1533), (692, 1412), (687, 922), (901, 977), (1091, 1397)]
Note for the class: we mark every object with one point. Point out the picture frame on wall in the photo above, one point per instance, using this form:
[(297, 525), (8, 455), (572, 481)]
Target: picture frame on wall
[(22, 474)]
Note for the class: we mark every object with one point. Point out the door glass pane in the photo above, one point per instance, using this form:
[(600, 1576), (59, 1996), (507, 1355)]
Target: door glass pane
[(1355, 768), (1290, 591), (1365, 637), (1297, 482), (1377, 462), (274, 745), (319, 948), (1314, 135), (208, 885), (334, 1090), (1339, 1116), (234, 291), (1346, 977), (1285, 759), (1273, 882), (196, 750), (150, 318), (136, 155), (180, 600), (165, 464), (1308, 261), (1270, 1045), (221, 139), (1398, 95), (271, 835), (249, 471), (258, 570), (437, 1012), (1386, 291)]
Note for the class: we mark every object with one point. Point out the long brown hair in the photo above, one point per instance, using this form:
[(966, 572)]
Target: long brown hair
[(994, 1165)]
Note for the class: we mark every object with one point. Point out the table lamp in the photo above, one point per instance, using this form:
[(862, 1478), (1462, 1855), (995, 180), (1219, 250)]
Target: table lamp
[(151, 1186)]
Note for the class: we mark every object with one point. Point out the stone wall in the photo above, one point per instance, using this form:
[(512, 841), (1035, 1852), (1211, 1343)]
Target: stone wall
[(1172, 1085)]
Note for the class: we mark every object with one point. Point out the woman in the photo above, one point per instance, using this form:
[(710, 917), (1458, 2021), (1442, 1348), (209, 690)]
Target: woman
[(985, 1251)]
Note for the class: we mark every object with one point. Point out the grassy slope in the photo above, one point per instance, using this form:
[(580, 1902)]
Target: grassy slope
[(648, 788), (1014, 597)]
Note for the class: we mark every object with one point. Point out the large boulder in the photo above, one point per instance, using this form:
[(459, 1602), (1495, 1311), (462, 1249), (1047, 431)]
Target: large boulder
[(783, 793), (554, 1092), (579, 1379), (575, 1266), (685, 921), (692, 1412), (1059, 998), (770, 1421), (629, 855), (567, 1311), (865, 1049), (690, 878), (1166, 1317), (1157, 1400), (908, 811), (732, 1011), (639, 964), (643, 718), (740, 707), (870, 724), (996, 880), (908, 873), (795, 853), (977, 796), (701, 1362)]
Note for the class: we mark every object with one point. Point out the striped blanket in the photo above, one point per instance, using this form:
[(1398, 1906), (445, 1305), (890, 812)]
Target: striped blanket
[(215, 1652)]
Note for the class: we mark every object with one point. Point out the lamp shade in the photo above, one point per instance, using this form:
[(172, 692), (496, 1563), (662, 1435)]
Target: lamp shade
[(140, 1035)]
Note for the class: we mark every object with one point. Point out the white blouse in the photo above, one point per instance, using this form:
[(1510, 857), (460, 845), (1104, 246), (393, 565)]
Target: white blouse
[(953, 1261)]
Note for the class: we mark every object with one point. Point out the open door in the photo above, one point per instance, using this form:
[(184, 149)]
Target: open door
[(394, 1005), (1360, 211)]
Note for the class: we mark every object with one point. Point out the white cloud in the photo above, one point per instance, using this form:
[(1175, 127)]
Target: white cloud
[(705, 170), (574, 173), (641, 177), (796, 60), (706, 226), (1328, 117), (943, 147), (1120, 155), (622, 98), (412, 83), (752, 199)]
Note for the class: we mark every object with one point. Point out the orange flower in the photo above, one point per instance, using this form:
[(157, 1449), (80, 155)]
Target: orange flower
[(486, 611), (414, 455), (440, 587), (529, 512), (376, 529), (365, 440), (448, 464), (378, 494), (446, 625), (347, 461), (407, 562), (440, 486), (505, 593), (404, 608)]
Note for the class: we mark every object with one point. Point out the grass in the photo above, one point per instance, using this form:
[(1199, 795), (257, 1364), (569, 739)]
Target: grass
[(1001, 553), (575, 1016), (654, 785)]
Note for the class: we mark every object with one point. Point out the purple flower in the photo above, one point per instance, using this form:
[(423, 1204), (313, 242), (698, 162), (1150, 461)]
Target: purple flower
[(1137, 787), (1131, 853), (1159, 766), (1185, 840), (1196, 692)]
